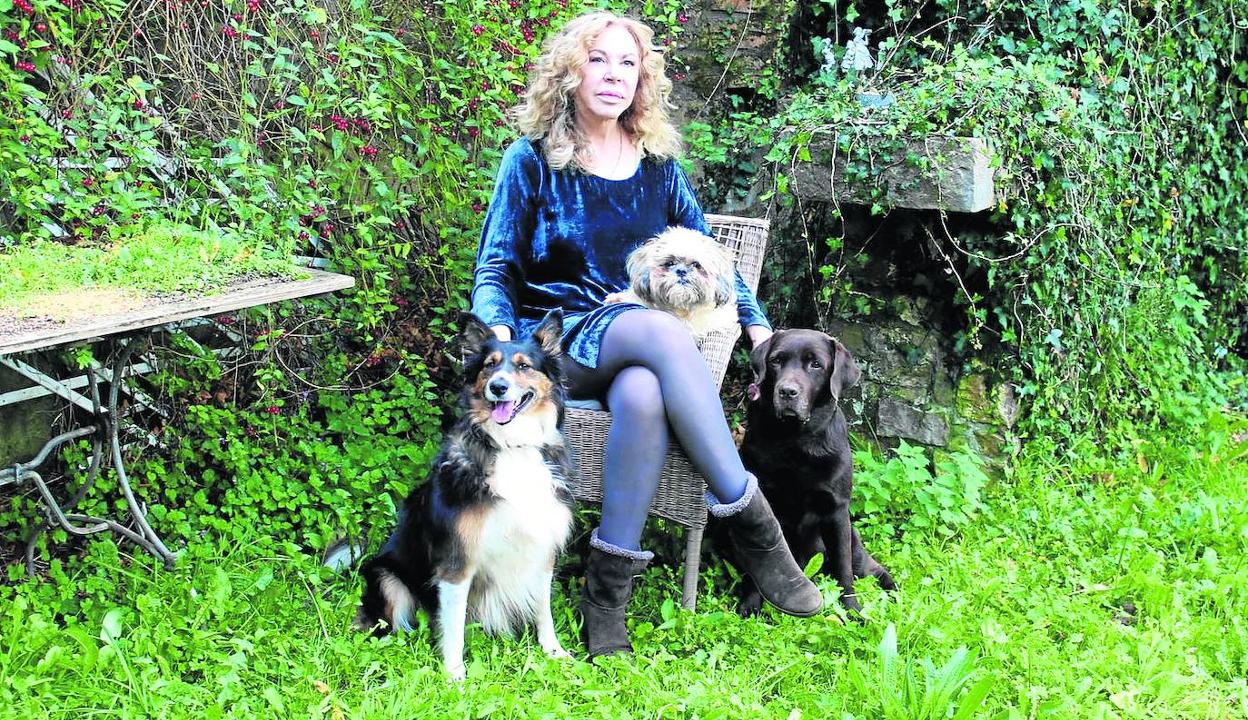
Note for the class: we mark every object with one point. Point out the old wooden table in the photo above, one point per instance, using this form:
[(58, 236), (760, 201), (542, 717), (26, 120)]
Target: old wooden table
[(116, 329)]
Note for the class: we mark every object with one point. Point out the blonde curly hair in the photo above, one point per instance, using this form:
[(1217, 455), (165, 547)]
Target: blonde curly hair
[(548, 112)]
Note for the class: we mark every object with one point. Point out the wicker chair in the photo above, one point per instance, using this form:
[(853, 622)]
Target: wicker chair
[(679, 496)]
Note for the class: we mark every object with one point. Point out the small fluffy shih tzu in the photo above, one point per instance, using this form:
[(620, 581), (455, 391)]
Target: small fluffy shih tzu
[(687, 274)]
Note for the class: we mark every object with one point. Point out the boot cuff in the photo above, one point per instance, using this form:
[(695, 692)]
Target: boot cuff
[(723, 510), (600, 544)]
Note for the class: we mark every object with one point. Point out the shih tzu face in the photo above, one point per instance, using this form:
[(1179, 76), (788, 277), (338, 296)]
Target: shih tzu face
[(688, 274)]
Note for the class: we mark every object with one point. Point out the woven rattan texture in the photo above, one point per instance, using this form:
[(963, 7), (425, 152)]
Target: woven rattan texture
[(679, 496)]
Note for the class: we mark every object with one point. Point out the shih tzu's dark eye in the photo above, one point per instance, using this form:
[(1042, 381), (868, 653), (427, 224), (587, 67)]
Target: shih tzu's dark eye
[(669, 263), (695, 265)]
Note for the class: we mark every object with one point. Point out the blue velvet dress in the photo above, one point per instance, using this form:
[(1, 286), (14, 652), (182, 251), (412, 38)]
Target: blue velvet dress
[(559, 239)]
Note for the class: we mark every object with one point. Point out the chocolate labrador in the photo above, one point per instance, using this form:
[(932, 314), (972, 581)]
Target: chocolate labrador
[(797, 446)]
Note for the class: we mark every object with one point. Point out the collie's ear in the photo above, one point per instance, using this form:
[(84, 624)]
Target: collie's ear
[(845, 372), (473, 334), (758, 361), (549, 334)]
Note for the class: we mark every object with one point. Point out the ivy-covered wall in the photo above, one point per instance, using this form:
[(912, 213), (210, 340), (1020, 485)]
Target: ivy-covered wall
[(1107, 287)]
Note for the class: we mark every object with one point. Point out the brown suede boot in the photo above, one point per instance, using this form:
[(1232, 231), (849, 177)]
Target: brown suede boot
[(608, 588), (763, 554)]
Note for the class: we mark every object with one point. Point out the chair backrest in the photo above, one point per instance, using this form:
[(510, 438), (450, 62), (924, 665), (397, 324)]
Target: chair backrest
[(747, 238)]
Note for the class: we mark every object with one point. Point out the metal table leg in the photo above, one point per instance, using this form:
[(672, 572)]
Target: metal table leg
[(104, 429)]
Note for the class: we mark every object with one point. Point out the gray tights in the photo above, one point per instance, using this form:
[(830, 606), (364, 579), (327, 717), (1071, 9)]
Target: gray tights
[(653, 378)]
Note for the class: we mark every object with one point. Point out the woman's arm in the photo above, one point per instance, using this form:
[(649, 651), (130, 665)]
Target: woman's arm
[(505, 237), (758, 334)]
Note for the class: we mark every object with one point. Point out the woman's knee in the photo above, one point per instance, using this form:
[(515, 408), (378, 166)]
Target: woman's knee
[(635, 392), (645, 337), (654, 328)]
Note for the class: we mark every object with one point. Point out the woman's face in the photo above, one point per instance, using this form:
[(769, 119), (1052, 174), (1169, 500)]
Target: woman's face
[(609, 77)]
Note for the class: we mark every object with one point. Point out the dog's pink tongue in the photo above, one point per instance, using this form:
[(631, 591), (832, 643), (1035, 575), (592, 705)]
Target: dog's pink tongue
[(502, 411)]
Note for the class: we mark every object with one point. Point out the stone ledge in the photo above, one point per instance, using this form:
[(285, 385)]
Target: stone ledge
[(959, 179)]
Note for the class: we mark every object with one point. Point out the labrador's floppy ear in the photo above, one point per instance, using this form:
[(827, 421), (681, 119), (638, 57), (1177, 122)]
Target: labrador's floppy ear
[(845, 372), (758, 362), (473, 334), (549, 334)]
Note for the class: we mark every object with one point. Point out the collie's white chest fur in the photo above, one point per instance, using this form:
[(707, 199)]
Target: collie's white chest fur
[(520, 537)]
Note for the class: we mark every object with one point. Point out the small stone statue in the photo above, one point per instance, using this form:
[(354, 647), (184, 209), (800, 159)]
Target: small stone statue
[(857, 54), (829, 57)]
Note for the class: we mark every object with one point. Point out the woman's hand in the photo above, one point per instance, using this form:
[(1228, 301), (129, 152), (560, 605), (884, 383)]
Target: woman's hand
[(758, 334)]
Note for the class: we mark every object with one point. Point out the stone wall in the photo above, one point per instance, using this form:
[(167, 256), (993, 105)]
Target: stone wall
[(726, 47), (910, 391)]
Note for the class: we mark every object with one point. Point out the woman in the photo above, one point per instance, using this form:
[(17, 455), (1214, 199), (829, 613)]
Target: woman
[(594, 177)]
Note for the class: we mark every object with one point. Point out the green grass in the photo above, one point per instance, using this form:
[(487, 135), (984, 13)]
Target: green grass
[(142, 259), (1083, 590)]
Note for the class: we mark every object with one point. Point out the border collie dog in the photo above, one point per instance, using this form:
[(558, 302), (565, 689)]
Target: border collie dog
[(478, 541)]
